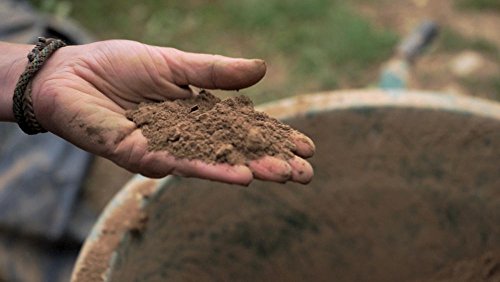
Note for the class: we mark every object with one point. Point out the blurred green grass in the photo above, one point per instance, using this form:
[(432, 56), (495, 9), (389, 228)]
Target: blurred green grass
[(492, 5), (309, 46)]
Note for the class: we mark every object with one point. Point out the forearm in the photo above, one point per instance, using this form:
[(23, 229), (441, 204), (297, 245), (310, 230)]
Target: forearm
[(13, 60)]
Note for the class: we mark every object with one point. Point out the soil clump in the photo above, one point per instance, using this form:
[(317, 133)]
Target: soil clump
[(205, 128)]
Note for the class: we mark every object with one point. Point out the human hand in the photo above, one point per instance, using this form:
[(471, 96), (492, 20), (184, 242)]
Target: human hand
[(82, 93)]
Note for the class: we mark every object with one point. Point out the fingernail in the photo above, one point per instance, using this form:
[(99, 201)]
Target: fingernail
[(241, 174), (261, 64), (271, 168), (304, 146), (302, 171)]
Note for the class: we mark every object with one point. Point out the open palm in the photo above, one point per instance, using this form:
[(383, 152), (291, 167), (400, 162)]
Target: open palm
[(82, 93)]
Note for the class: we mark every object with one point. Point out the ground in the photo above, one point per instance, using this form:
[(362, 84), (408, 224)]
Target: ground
[(311, 45), (468, 32)]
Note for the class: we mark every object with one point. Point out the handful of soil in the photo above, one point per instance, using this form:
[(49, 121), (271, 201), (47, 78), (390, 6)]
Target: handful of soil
[(205, 128)]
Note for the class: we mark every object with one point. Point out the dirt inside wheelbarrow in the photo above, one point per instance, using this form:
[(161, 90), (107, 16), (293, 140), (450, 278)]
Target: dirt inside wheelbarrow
[(398, 195), (482, 268), (206, 128)]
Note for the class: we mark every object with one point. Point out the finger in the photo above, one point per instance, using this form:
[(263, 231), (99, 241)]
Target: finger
[(271, 168), (304, 146), (302, 171), (167, 90), (234, 174), (214, 71)]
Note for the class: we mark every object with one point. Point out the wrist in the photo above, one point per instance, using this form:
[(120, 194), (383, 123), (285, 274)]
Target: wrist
[(13, 60)]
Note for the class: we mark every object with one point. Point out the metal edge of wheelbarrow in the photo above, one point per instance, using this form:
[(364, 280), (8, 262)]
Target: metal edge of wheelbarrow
[(99, 253)]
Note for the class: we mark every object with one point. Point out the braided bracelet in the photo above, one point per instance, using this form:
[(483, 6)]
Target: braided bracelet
[(22, 101)]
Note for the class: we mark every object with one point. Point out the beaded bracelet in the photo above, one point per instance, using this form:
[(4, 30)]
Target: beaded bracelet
[(22, 101)]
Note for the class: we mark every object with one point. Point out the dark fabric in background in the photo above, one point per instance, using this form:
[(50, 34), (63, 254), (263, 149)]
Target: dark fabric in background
[(42, 223)]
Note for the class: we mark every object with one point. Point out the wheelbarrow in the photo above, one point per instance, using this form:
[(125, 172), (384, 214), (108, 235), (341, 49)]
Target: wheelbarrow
[(406, 187)]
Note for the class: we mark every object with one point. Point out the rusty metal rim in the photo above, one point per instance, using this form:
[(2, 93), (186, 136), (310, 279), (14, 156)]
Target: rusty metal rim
[(377, 98), (283, 109)]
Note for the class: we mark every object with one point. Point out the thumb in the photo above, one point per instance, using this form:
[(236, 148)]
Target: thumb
[(213, 71)]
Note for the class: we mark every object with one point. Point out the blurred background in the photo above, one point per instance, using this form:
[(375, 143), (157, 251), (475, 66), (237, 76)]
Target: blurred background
[(312, 45)]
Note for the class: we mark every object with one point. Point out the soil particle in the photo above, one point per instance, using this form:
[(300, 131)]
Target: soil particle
[(204, 127)]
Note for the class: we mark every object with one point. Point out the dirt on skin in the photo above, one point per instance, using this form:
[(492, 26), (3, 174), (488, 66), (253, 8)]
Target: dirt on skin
[(398, 195), (205, 128)]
